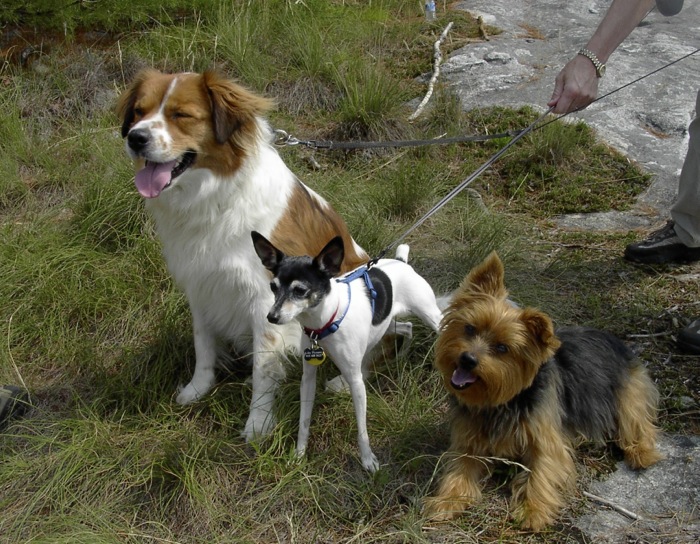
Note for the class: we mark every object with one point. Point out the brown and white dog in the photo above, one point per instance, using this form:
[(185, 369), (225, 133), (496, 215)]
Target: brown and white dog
[(207, 166)]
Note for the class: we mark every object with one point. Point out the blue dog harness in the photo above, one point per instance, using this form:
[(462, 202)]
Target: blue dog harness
[(334, 324)]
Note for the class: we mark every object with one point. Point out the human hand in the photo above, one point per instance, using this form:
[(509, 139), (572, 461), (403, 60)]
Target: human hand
[(575, 87)]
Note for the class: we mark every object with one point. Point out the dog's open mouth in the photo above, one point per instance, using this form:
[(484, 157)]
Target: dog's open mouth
[(156, 176), (462, 378)]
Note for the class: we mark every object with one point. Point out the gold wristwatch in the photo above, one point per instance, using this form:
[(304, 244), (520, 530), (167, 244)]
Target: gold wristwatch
[(599, 66)]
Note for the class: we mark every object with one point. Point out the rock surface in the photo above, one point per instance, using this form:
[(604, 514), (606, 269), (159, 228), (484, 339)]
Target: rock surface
[(647, 121), (665, 498)]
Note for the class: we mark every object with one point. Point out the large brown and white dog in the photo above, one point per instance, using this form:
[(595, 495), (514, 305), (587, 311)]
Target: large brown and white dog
[(207, 166)]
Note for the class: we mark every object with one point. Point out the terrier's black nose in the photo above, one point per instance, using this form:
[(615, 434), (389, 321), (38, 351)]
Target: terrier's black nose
[(272, 318), (467, 361), (138, 139)]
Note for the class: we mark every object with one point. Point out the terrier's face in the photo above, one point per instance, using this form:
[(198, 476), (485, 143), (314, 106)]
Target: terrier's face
[(299, 283), (489, 350)]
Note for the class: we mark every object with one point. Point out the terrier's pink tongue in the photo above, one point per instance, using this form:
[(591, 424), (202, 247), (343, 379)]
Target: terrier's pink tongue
[(153, 177), (461, 378)]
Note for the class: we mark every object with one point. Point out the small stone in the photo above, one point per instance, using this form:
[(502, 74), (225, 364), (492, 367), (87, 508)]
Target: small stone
[(498, 58)]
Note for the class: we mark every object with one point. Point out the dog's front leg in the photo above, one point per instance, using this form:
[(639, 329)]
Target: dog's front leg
[(538, 495), (353, 375), (459, 487), (204, 376), (268, 373), (307, 396)]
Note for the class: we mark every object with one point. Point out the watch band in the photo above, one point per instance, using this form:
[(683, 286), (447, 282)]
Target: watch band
[(599, 66)]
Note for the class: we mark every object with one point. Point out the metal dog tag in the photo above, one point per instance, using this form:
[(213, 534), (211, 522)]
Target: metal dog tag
[(314, 355)]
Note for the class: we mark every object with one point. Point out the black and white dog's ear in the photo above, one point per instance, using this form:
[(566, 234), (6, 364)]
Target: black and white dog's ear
[(331, 257), (269, 255)]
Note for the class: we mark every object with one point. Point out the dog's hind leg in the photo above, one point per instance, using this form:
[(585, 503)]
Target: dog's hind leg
[(422, 302), (401, 328), (337, 385), (401, 332), (430, 315), (307, 396), (204, 376), (637, 432)]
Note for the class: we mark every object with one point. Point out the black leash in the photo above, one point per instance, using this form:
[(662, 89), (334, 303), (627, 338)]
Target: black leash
[(283, 138)]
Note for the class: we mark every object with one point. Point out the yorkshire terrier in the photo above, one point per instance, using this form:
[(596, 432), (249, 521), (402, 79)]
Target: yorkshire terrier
[(526, 394)]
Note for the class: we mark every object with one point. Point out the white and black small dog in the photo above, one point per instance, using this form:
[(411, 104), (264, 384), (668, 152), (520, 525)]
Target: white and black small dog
[(345, 317)]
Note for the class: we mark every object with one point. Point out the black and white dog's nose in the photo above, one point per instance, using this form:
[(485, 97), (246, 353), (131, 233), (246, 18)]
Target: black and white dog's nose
[(138, 139)]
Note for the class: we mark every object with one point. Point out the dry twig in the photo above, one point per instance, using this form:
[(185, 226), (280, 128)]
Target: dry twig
[(612, 505), (436, 72)]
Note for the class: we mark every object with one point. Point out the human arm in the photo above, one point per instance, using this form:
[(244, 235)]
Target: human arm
[(576, 86)]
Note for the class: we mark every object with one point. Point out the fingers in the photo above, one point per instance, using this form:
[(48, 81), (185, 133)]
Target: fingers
[(575, 87), (556, 94)]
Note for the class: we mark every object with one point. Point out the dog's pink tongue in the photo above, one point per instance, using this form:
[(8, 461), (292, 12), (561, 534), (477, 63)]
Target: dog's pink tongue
[(461, 378), (153, 177)]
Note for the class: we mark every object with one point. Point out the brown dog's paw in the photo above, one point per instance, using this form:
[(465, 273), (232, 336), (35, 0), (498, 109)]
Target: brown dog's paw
[(441, 509), (642, 457), (532, 519)]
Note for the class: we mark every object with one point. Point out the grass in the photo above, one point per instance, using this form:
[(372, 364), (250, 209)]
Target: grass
[(91, 323)]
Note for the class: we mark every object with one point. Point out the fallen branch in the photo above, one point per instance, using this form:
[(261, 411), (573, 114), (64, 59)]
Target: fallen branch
[(436, 71), (650, 335), (612, 505)]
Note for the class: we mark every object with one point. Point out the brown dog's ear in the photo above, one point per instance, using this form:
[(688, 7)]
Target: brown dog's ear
[(487, 277), (541, 330), (126, 101), (233, 107)]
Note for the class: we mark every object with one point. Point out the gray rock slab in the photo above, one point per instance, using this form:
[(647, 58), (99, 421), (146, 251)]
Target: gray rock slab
[(665, 497), (647, 121)]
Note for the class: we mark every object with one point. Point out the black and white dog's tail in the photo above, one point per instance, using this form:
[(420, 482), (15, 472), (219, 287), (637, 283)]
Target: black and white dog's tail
[(402, 253)]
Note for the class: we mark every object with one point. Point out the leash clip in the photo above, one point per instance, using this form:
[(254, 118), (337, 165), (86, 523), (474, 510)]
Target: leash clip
[(282, 138)]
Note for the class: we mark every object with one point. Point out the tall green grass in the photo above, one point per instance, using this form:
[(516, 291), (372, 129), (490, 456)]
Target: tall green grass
[(91, 323)]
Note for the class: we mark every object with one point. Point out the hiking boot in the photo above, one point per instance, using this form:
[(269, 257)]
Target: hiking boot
[(14, 402), (662, 246), (689, 338)]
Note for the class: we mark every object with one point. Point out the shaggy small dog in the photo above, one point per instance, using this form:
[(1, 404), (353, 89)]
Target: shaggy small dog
[(525, 393)]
